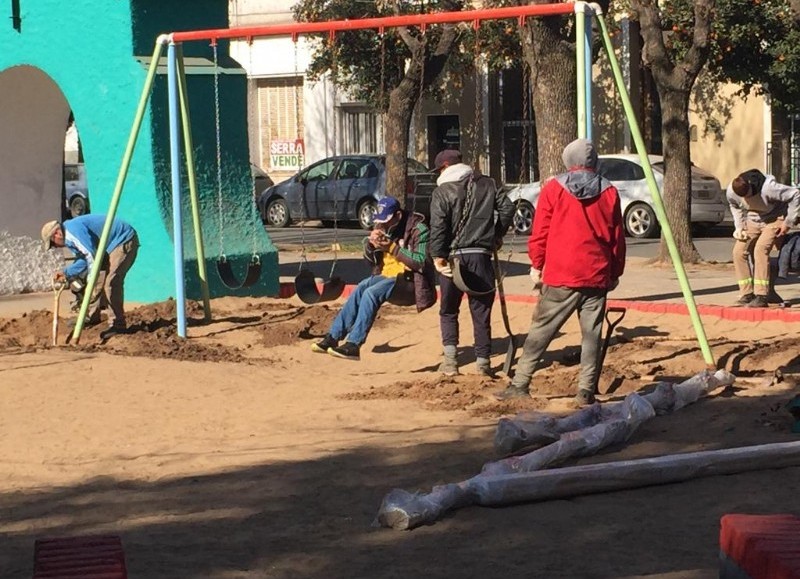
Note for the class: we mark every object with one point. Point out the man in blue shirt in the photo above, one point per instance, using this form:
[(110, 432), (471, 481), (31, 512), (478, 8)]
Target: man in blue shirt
[(81, 235)]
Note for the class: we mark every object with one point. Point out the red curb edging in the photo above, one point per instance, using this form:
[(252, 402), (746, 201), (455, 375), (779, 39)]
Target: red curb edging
[(734, 313)]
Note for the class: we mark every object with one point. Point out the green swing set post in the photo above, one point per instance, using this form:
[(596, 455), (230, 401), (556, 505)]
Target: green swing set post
[(190, 170), (658, 203), (115, 197)]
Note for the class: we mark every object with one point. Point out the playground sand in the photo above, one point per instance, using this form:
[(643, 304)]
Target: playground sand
[(240, 453)]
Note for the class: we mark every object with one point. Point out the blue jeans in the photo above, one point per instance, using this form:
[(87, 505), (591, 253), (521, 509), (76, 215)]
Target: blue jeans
[(358, 313)]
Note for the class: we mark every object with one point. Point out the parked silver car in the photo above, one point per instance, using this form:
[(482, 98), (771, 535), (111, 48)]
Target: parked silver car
[(76, 190), (626, 173), (347, 187)]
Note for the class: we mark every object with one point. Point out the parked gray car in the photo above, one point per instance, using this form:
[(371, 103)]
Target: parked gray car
[(76, 190), (347, 187)]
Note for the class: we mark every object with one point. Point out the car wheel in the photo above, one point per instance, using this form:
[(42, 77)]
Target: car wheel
[(640, 221), (523, 218), (366, 211), (77, 206), (277, 213)]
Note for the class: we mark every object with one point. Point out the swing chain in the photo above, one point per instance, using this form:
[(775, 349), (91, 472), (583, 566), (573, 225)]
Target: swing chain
[(381, 117), (219, 150), (334, 74), (297, 96), (252, 88), (478, 96), (418, 111)]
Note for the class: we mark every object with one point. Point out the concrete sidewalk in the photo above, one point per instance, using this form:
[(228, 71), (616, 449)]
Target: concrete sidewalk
[(712, 284), (643, 283)]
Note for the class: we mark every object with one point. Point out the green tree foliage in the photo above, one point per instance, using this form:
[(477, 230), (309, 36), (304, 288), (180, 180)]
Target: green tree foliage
[(391, 71)]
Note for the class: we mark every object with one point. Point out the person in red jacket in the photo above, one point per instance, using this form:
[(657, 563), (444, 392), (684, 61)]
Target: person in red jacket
[(578, 245)]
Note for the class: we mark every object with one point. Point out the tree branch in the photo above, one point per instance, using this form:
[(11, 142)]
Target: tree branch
[(697, 54), (655, 52)]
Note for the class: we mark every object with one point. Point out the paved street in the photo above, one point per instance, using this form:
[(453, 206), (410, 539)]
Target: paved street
[(716, 246)]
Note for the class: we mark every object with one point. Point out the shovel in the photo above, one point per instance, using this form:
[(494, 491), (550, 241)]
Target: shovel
[(620, 314), (512, 343), (58, 287)]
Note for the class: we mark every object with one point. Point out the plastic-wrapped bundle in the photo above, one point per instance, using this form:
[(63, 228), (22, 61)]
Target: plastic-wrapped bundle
[(582, 433), (25, 266)]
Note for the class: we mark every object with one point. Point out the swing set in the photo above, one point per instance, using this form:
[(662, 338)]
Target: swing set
[(179, 116)]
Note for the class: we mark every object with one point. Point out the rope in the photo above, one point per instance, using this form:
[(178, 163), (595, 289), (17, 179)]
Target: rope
[(256, 258), (478, 96)]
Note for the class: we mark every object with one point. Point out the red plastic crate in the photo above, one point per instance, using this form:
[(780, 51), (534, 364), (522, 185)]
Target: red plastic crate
[(762, 546), (88, 557)]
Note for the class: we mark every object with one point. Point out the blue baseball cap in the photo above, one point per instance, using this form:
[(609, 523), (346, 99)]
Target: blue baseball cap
[(386, 209)]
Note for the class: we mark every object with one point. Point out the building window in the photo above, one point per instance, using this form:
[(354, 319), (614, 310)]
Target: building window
[(359, 130), (280, 117)]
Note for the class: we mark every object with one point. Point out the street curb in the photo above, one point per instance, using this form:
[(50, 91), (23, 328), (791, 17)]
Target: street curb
[(735, 313)]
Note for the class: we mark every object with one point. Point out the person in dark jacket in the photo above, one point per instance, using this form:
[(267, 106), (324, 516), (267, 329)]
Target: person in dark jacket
[(469, 217), (763, 211), (578, 245), (398, 249)]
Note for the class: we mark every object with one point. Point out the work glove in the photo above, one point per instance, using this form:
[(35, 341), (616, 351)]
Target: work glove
[(740, 235), (443, 267)]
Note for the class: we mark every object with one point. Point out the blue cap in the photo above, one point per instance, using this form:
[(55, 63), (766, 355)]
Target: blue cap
[(386, 209)]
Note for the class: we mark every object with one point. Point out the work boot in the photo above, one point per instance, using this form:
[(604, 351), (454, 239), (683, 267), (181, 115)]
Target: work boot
[(449, 365), (484, 367), (348, 351), (584, 398), (111, 331), (758, 302), (511, 393), (324, 345), (745, 299)]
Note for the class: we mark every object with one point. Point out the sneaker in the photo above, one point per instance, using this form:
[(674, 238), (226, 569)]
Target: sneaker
[(584, 398), (745, 299), (348, 351), (449, 366), (324, 345), (512, 392), (758, 302)]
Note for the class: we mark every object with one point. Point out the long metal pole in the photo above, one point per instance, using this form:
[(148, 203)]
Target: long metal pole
[(658, 203), (580, 59), (587, 68), (183, 95), (561, 8), (123, 173), (177, 210)]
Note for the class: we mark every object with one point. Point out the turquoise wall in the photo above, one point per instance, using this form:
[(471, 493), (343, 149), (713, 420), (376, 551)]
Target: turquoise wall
[(89, 49)]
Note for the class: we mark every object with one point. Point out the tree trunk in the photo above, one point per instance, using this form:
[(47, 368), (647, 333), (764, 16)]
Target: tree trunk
[(398, 122), (677, 172), (552, 63)]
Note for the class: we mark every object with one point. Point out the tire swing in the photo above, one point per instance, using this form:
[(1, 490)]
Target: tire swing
[(305, 282), (224, 268)]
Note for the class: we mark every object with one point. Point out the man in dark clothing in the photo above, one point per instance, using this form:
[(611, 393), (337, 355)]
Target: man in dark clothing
[(398, 249), (578, 243), (464, 226)]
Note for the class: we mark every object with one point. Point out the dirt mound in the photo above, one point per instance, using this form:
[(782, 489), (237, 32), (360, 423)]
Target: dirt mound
[(471, 393)]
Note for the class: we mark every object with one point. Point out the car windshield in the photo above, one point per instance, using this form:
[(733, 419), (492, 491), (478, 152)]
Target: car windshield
[(414, 166), (659, 166)]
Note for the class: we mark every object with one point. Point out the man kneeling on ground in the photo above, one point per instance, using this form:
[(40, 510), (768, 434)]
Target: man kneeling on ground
[(398, 249)]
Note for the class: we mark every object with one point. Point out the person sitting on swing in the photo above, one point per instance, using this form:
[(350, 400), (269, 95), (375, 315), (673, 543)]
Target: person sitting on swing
[(397, 248)]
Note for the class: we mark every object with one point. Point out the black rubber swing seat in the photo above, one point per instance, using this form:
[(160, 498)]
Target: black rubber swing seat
[(305, 286), (403, 292), (229, 278), (468, 282)]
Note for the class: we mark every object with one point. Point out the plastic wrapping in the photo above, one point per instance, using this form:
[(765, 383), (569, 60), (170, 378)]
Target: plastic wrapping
[(582, 433)]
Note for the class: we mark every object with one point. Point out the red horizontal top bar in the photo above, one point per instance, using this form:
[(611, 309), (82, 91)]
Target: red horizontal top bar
[(380, 23)]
